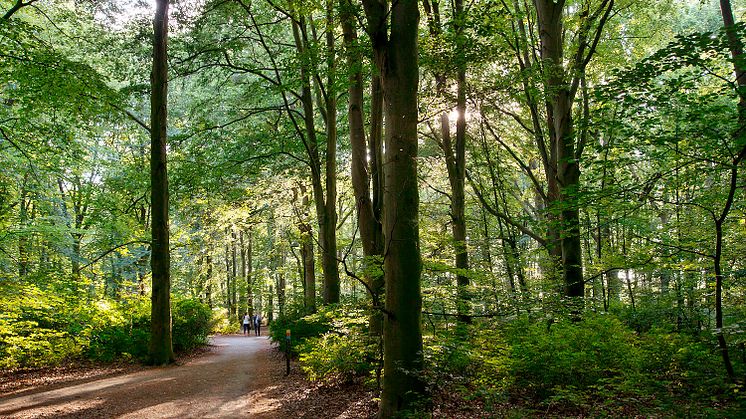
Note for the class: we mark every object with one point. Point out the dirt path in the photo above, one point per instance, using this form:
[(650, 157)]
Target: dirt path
[(242, 377)]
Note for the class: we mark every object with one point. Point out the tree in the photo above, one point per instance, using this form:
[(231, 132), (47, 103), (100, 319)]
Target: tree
[(454, 151), (395, 52), (366, 160), (561, 156), (161, 348), (739, 139)]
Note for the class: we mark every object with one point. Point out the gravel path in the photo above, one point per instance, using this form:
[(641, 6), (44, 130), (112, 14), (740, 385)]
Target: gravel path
[(238, 379)]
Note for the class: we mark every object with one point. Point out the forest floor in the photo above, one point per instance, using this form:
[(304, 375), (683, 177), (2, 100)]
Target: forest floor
[(237, 376)]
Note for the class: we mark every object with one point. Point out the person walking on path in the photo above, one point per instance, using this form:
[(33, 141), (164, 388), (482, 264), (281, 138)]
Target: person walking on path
[(246, 324), (258, 325)]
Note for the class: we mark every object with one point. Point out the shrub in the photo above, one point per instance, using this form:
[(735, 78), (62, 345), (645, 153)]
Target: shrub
[(40, 328), (27, 335), (192, 323), (121, 331), (569, 356), (310, 326), (331, 344), (24, 344), (338, 356), (223, 325)]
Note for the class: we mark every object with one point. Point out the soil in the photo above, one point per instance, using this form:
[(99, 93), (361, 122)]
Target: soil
[(238, 376)]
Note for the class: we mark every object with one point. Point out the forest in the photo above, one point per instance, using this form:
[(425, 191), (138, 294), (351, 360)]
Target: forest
[(526, 208)]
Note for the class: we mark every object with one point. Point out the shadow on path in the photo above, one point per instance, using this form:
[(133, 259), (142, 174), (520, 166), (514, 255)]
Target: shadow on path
[(242, 377)]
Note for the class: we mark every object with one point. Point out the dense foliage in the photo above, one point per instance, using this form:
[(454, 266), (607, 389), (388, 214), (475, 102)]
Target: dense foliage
[(40, 328), (578, 241), (600, 366)]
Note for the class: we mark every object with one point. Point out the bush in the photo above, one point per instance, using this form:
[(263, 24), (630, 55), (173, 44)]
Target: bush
[(24, 344), (43, 329), (545, 364), (331, 344), (192, 323), (335, 356), (122, 331), (478, 361), (310, 326), (27, 338), (223, 325), (597, 367)]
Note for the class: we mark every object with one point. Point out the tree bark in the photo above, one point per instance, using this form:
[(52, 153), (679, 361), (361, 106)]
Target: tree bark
[(306, 251), (160, 350), (457, 178), (208, 279), (325, 209), (248, 269), (396, 60), (369, 226), (331, 265), (736, 49), (455, 155), (561, 165), (23, 257)]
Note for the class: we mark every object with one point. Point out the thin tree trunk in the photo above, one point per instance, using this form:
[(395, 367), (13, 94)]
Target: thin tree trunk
[(281, 285), (368, 225), (234, 276), (228, 279), (331, 265), (249, 274), (306, 252), (562, 169), (23, 257), (208, 279), (736, 49), (455, 157), (326, 217)]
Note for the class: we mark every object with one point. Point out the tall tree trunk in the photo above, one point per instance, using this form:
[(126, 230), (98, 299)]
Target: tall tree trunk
[(270, 305), (562, 169), (375, 151), (455, 154), (234, 276), (242, 254), (281, 286), (160, 350), (23, 257), (228, 280), (331, 265), (736, 49), (369, 226), (208, 279), (309, 269), (396, 59), (457, 175), (306, 251), (325, 209), (247, 263)]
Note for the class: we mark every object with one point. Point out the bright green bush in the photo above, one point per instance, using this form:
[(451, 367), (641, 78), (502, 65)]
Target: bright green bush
[(40, 328), (222, 324), (330, 344), (25, 344), (338, 356), (547, 360), (192, 323), (597, 367), (310, 326), (27, 338), (120, 331)]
